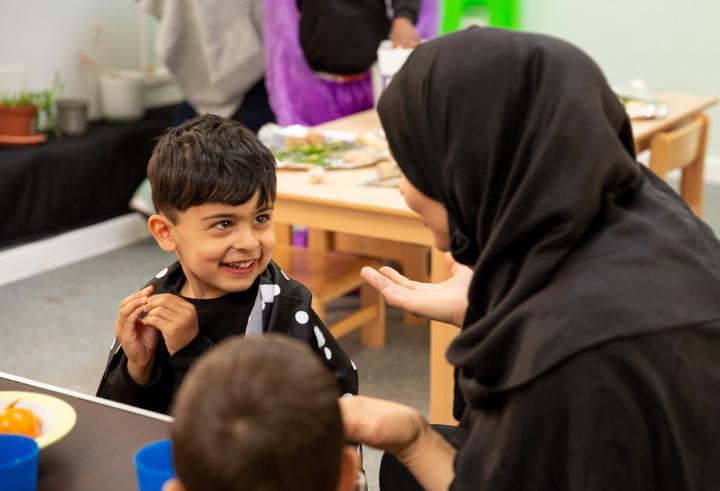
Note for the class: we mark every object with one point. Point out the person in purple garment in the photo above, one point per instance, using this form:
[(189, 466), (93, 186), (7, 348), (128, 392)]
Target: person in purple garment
[(301, 95)]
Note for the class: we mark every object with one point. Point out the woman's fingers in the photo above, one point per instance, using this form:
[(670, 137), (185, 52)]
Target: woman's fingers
[(372, 277), (403, 281), (394, 293), (394, 276)]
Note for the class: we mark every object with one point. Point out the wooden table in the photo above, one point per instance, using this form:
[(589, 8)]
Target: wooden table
[(681, 108), (98, 452), (342, 204)]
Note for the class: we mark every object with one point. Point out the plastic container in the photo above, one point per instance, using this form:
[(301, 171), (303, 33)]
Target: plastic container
[(154, 466), (72, 116), (18, 463), (389, 61), (121, 95)]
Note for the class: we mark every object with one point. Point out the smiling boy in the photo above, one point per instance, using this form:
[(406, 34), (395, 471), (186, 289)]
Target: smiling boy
[(213, 187)]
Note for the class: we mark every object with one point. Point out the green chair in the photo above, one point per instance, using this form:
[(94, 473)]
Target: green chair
[(501, 13)]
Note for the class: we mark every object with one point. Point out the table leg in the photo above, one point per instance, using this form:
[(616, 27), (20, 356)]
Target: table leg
[(441, 372)]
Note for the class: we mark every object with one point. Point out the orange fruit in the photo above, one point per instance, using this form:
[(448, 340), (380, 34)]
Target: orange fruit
[(19, 421)]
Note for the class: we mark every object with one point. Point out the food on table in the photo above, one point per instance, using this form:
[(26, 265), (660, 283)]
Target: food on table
[(315, 138), (358, 155), (374, 138), (299, 147), (388, 170), (293, 141), (19, 421), (316, 175), (310, 154)]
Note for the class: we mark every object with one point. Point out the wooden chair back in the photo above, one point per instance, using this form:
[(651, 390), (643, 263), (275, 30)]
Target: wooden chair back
[(683, 148)]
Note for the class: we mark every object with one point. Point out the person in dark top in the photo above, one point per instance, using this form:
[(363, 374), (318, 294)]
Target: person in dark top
[(341, 38), (587, 294), (213, 186), (260, 413)]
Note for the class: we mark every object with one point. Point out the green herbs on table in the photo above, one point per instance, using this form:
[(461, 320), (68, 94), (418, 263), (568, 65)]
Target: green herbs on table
[(320, 155)]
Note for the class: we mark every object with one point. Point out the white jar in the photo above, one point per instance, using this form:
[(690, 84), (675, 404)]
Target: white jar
[(121, 95)]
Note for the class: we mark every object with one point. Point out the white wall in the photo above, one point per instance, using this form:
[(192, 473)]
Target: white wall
[(673, 45), (46, 36)]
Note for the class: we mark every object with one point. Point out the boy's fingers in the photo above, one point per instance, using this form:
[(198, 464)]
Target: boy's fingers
[(133, 317), (158, 315), (129, 321), (156, 321), (156, 302), (169, 301), (126, 309), (145, 292)]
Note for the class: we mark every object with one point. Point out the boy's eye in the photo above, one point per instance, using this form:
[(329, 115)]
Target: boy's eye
[(260, 219), (224, 224)]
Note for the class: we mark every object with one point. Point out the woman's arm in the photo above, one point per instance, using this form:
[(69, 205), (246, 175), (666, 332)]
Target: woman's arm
[(402, 431), (403, 33)]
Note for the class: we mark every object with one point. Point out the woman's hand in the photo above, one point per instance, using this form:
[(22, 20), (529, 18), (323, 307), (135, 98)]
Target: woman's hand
[(444, 302), (403, 33), (382, 424), (402, 431)]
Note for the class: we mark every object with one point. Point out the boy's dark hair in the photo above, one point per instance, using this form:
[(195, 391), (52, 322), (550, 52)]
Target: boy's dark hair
[(258, 413), (209, 159)]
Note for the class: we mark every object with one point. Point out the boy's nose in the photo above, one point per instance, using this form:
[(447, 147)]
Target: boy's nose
[(244, 240)]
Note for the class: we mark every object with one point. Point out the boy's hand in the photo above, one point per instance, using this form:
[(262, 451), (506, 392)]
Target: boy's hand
[(138, 340), (403, 33), (174, 317)]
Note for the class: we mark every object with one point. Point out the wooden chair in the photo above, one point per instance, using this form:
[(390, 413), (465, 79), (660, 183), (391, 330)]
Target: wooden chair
[(329, 275), (414, 259), (683, 148)]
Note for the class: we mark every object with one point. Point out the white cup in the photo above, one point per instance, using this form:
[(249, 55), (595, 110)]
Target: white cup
[(121, 95)]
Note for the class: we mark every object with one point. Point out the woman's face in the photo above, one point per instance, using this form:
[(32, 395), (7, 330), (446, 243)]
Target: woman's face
[(433, 212)]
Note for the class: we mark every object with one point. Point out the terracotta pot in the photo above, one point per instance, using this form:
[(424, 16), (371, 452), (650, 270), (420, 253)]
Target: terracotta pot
[(16, 121)]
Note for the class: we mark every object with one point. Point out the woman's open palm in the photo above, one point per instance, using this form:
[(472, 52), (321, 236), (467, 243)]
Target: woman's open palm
[(445, 301)]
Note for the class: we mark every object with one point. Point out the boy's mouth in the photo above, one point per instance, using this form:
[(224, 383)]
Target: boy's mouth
[(239, 267)]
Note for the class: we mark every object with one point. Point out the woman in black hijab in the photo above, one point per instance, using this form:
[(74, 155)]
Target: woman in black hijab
[(589, 351)]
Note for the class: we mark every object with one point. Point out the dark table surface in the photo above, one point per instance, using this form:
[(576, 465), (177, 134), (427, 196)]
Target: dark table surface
[(97, 454)]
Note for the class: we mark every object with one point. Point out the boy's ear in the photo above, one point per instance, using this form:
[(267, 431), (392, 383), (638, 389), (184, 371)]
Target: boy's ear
[(349, 468), (161, 229)]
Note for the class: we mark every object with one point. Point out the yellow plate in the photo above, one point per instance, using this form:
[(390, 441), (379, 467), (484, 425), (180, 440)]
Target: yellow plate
[(57, 416)]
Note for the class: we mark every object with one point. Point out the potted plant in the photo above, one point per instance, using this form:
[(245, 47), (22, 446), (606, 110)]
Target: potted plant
[(19, 112)]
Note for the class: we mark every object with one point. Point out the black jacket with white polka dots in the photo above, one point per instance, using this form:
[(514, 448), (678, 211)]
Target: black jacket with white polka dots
[(274, 304)]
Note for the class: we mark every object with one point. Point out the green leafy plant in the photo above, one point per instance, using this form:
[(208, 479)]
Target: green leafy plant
[(43, 100)]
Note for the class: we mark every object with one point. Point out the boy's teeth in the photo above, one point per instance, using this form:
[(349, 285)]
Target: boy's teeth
[(242, 265)]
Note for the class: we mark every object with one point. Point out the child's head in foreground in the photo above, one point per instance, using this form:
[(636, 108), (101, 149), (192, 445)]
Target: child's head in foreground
[(260, 414), (213, 187)]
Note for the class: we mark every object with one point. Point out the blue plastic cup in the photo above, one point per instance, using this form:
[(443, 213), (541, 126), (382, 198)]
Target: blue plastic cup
[(18, 463), (154, 466)]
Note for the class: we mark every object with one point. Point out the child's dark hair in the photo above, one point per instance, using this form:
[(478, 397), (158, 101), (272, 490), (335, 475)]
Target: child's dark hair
[(209, 159), (258, 413)]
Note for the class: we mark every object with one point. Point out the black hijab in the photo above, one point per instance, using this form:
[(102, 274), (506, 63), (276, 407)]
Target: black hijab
[(572, 242)]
